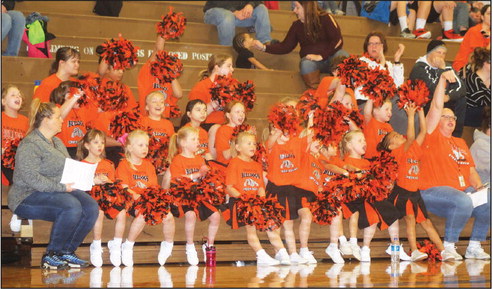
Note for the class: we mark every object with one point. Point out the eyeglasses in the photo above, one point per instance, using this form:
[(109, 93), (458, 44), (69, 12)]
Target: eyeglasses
[(450, 117), (374, 43)]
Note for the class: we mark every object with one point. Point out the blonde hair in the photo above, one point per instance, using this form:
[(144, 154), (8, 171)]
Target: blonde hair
[(180, 135), (345, 140), (39, 111), (5, 91), (82, 151), (287, 99), (216, 59), (239, 139), (155, 92), (132, 136)]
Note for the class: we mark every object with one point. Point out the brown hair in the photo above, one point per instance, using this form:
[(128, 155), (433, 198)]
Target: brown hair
[(5, 91), (486, 123), (312, 24), (39, 111), (82, 151), (345, 140), (216, 59), (229, 107), (379, 35), (57, 95), (63, 53), (190, 105), (479, 56), (181, 134)]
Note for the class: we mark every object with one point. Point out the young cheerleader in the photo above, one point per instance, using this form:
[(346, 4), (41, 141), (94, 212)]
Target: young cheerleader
[(185, 162), (65, 67), (221, 141), (220, 64), (195, 114), (376, 125), (136, 174), (242, 44), (244, 176), (405, 195), (91, 150)]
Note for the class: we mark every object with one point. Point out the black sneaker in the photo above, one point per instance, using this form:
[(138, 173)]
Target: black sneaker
[(52, 261), (74, 261)]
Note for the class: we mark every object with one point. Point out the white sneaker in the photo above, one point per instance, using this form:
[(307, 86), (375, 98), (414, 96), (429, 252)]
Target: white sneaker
[(283, 257), (95, 280), (307, 270), (475, 267), (334, 271), (449, 268), (264, 271), (308, 255), (364, 266), (345, 248), (451, 250), (127, 277), (447, 256), (283, 271), (365, 254), (115, 253), (191, 275), (96, 255), (476, 253), (402, 254), (127, 255), (164, 252), (297, 259), (334, 254), (15, 223), (164, 278), (356, 251), (264, 259), (192, 257), (417, 268), (417, 255), (115, 278)]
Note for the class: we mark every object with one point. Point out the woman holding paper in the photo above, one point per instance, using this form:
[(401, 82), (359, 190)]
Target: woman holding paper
[(38, 194), (448, 173)]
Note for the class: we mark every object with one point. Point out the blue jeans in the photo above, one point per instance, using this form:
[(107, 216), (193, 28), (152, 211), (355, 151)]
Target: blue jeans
[(226, 23), (456, 207), (13, 24), (73, 215), (308, 66)]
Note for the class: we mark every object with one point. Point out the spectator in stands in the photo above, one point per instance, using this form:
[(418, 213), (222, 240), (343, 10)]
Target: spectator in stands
[(331, 7), (319, 37), (474, 16), (242, 43), (65, 67), (481, 148), (447, 173), (433, 11), (398, 13), (478, 85), (429, 69), (226, 15), (461, 18), (38, 194), (477, 36), (13, 25)]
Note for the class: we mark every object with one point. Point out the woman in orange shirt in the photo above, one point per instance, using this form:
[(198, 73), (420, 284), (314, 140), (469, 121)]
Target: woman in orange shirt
[(219, 64), (195, 114), (65, 67), (448, 172)]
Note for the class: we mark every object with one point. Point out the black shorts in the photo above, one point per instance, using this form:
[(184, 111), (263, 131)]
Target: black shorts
[(409, 203), (367, 214), (434, 16), (291, 198)]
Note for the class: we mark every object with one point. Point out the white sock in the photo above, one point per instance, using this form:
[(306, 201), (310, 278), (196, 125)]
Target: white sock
[(474, 244), (97, 243), (447, 25), (403, 22), (333, 245), (129, 244), (304, 250), (448, 245), (365, 247), (353, 240), (420, 23), (261, 251), (168, 243), (342, 239), (190, 246), (117, 241)]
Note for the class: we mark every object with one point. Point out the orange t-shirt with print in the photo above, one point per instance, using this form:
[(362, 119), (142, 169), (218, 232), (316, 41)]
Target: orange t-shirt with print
[(147, 83), (46, 87), (13, 127), (181, 165), (446, 161), (322, 92), (203, 140), (246, 177), (74, 126), (374, 132), (138, 179), (159, 128), (222, 143), (310, 174), (284, 161), (201, 90), (361, 164), (106, 168), (408, 166), (328, 175)]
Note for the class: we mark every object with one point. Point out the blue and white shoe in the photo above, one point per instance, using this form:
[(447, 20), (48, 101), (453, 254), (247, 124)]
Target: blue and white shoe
[(74, 261), (53, 261)]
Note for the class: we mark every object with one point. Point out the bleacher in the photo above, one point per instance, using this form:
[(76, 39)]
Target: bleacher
[(74, 24)]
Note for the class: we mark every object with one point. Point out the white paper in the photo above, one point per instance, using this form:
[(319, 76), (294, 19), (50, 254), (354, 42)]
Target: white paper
[(479, 198), (79, 173)]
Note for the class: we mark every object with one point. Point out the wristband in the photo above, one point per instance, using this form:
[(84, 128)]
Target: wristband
[(397, 62)]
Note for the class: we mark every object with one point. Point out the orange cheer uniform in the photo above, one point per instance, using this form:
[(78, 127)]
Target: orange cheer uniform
[(159, 128), (223, 141), (284, 161), (201, 90), (203, 140), (408, 166), (13, 127), (138, 179), (246, 177), (374, 132), (105, 167)]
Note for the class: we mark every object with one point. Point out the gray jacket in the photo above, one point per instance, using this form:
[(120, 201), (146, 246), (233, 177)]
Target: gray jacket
[(38, 167), (480, 151)]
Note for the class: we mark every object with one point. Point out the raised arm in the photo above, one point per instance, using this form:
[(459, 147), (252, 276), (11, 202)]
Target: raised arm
[(422, 127), (436, 107), (160, 42), (410, 133), (367, 111)]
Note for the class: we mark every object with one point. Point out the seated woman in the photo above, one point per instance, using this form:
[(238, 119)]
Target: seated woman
[(38, 194)]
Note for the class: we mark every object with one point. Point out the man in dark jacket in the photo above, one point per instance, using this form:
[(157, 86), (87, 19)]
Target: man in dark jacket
[(226, 15), (429, 68)]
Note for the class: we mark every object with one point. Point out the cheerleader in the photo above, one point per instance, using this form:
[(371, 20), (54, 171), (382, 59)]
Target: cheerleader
[(90, 150), (186, 163), (244, 178), (405, 194), (137, 173), (195, 115), (376, 125)]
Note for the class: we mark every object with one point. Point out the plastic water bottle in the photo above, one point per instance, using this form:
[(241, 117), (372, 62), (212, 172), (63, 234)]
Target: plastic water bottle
[(394, 275), (210, 254), (36, 85), (395, 251)]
